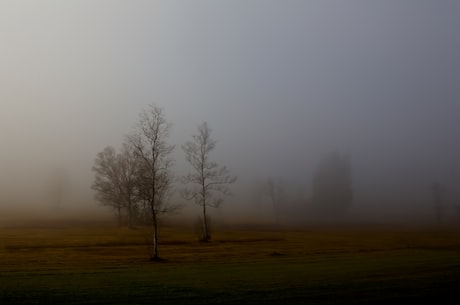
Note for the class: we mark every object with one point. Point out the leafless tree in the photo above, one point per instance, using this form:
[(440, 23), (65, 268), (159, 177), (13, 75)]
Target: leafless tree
[(129, 168), (107, 183), (115, 181), (59, 186), (275, 191), (207, 178), (332, 185), (149, 142)]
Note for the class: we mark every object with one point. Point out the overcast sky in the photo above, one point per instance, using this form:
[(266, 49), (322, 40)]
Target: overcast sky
[(281, 83)]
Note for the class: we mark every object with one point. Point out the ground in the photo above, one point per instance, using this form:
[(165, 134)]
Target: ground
[(98, 263)]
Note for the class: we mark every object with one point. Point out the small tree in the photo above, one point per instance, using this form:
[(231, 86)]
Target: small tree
[(207, 178), (332, 192), (107, 183), (149, 142), (275, 191), (128, 165), (115, 181), (59, 187)]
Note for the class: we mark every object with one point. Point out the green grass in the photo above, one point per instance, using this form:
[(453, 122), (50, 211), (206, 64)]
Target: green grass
[(103, 265)]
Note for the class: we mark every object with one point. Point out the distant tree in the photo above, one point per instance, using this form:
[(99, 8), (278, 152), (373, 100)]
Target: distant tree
[(59, 186), (149, 143), (275, 191), (115, 180), (437, 200), (332, 190), (107, 183), (208, 179), (129, 168)]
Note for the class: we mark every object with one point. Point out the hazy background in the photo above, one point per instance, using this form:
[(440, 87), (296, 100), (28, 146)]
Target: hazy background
[(281, 83)]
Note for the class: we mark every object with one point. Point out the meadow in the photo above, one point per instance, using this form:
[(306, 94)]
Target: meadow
[(97, 263)]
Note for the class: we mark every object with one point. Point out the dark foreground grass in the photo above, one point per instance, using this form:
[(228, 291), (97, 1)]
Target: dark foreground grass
[(110, 266)]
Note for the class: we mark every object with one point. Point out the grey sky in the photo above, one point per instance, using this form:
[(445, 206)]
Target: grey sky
[(279, 82)]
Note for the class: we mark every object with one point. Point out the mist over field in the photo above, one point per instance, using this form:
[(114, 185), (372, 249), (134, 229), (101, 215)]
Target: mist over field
[(282, 84)]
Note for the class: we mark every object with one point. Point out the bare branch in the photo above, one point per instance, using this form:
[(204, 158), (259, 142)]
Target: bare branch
[(149, 142), (209, 179)]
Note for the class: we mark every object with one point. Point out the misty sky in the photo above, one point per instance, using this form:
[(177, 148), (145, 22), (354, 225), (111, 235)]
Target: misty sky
[(281, 83)]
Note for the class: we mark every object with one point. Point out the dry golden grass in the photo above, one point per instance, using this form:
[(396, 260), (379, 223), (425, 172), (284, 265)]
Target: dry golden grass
[(97, 263), (55, 246)]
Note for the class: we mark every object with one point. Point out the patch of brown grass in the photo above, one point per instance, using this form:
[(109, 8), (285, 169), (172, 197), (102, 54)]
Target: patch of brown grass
[(106, 246)]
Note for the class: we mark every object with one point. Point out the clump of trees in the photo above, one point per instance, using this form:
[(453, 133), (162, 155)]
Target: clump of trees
[(332, 189), (137, 179), (110, 191)]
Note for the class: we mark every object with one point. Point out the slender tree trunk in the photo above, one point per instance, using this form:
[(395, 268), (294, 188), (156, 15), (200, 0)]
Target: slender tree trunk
[(155, 237), (145, 213), (206, 236), (155, 229), (205, 225), (119, 216), (130, 225)]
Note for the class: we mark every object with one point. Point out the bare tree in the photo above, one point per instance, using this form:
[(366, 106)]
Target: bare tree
[(107, 183), (59, 187), (207, 178), (332, 185), (150, 145), (275, 191), (115, 181), (128, 165)]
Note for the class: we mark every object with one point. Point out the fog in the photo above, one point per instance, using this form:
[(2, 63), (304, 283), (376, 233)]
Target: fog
[(280, 83)]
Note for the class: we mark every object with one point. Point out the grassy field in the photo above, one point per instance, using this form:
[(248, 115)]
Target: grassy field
[(100, 264)]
